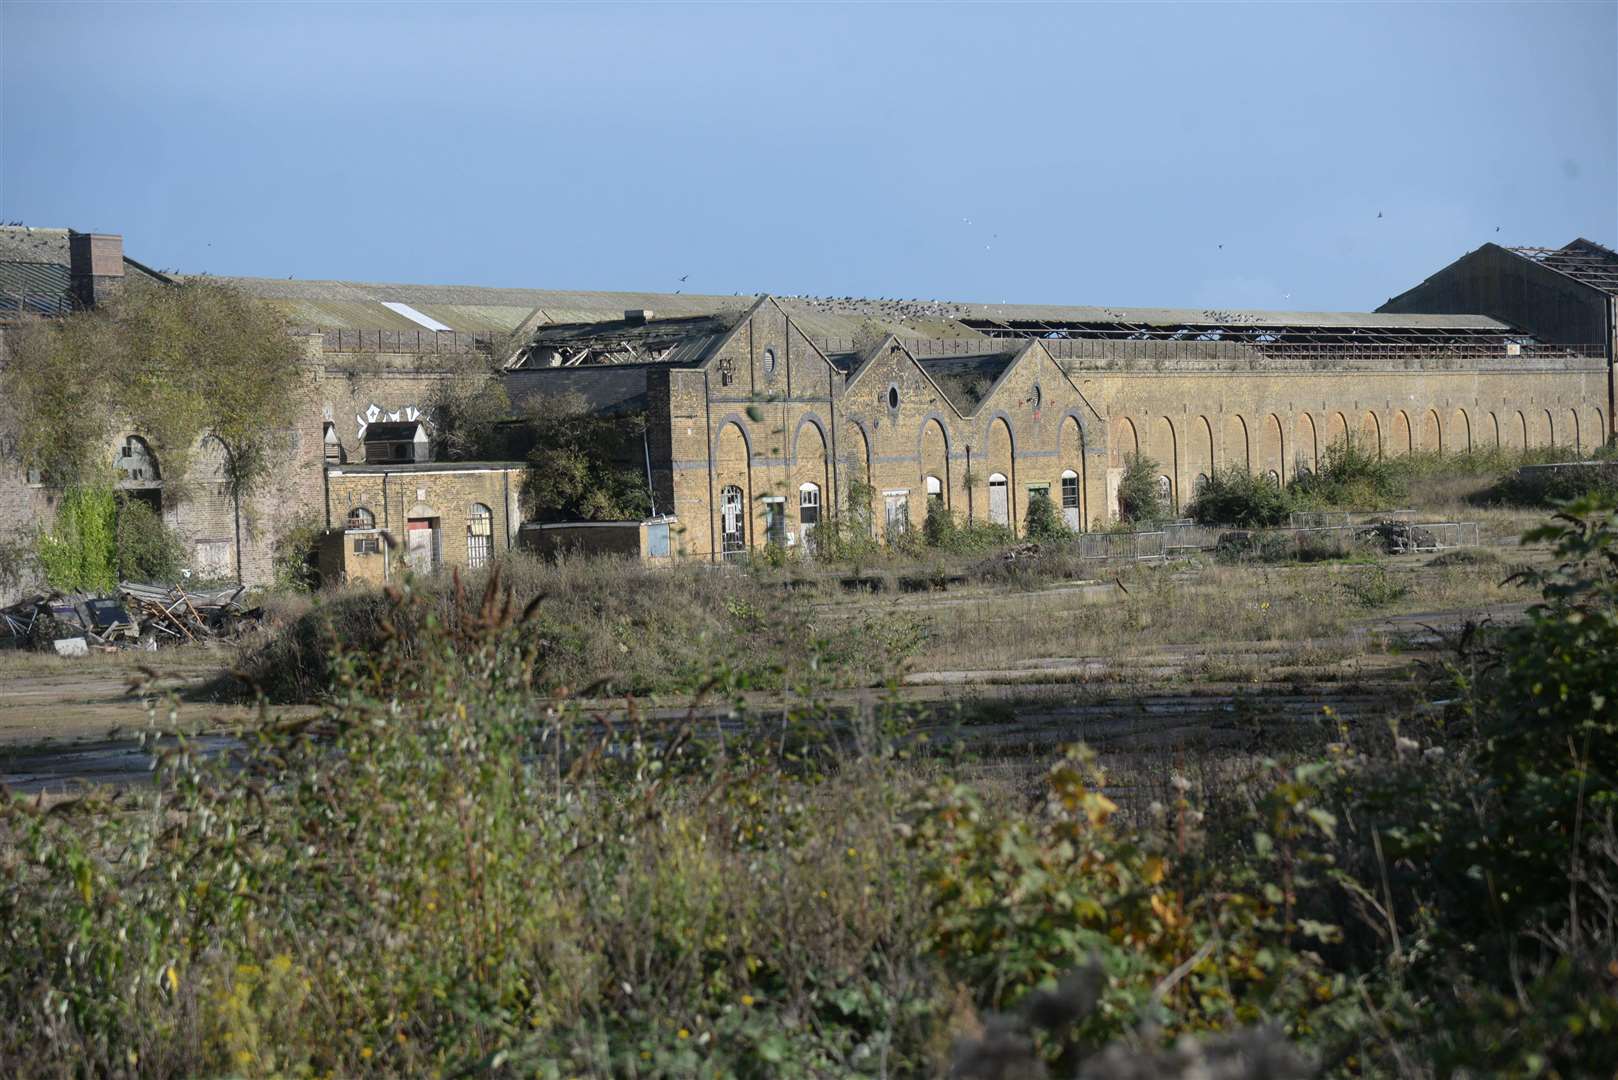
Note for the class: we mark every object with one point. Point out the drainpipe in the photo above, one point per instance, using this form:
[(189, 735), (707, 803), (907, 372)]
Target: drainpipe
[(505, 495), (1612, 388), (651, 492), (707, 434), (387, 552)]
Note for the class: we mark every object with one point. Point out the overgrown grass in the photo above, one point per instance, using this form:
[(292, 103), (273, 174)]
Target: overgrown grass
[(451, 872)]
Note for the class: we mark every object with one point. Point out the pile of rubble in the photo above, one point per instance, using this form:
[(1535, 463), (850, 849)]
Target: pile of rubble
[(1397, 537), (137, 617)]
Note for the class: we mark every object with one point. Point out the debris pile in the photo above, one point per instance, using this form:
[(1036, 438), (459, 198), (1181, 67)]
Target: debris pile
[(139, 616), (1397, 537)]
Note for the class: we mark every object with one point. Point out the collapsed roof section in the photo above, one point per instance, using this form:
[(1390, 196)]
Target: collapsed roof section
[(1585, 261)]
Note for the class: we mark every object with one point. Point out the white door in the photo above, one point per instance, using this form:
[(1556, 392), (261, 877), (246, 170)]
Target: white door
[(1070, 499), (999, 511)]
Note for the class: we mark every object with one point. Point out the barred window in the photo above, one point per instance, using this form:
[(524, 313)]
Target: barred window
[(479, 536), (361, 518)]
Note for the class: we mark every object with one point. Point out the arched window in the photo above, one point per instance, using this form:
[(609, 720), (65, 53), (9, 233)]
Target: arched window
[(999, 510), (479, 536), (137, 464), (361, 518), (769, 361), (1070, 498), (935, 489), (893, 397), (732, 522), (1165, 488), (1200, 483)]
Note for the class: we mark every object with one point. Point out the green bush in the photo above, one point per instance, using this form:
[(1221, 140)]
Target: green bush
[(1044, 522), (148, 550), (1549, 487), (1352, 478), (295, 556), (1140, 498), (79, 552), (943, 532), (1234, 496)]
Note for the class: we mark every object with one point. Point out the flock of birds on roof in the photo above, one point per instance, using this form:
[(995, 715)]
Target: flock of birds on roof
[(893, 310)]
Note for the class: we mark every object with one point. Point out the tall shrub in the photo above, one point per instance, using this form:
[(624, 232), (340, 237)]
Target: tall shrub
[(1140, 500), (79, 552), (1234, 496), (147, 549)]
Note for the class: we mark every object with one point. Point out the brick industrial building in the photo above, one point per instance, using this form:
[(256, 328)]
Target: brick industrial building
[(764, 413)]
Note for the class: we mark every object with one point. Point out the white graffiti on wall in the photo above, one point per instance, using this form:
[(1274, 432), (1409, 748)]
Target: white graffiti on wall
[(376, 413)]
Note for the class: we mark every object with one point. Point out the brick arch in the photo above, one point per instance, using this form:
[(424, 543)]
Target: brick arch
[(733, 466), (811, 460), (1199, 450), (1370, 434), (1164, 448), (856, 458), (1460, 432), (932, 454), (1070, 454), (1125, 440), (1491, 431), (1572, 432), (1401, 439), (1336, 429), (1306, 444), (1515, 433), (1000, 456), (1238, 448), (1272, 447), (809, 420), (1544, 428), (1598, 431), (1431, 437)]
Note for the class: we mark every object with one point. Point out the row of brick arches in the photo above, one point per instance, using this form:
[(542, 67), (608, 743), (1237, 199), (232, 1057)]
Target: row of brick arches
[(1192, 447), (980, 470)]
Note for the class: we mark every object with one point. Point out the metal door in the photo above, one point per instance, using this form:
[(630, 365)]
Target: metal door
[(733, 540), (419, 545)]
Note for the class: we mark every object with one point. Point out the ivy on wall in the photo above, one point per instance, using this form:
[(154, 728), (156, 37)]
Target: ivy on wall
[(171, 362)]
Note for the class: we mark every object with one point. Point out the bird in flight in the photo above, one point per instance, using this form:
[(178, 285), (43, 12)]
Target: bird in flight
[(684, 276), (1379, 213)]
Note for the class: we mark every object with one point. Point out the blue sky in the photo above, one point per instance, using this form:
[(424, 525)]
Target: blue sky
[(1040, 153)]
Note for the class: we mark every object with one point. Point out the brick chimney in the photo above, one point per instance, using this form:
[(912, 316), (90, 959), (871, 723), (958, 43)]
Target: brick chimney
[(96, 262)]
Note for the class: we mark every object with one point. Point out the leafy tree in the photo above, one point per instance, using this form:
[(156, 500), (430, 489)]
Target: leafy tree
[(1140, 500), (470, 411), (147, 549), (586, 466), (191, 360), (1234, 496)]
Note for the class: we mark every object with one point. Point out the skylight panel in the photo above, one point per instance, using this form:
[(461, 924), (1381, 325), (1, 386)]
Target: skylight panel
[(413, 315)]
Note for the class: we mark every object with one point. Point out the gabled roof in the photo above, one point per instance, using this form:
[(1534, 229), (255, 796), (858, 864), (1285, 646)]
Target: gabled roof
[(1585, 261), (393, 430)]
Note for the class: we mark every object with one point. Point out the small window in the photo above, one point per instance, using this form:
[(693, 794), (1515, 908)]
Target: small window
[(1165, 488), (367, 545), (769, 361), (726, 373), (1036, 398), (893, 397), (809, 504), (935, 489), (361, 518)]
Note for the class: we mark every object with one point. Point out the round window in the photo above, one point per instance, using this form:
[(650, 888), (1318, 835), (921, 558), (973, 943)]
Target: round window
[(769, 361), (893, 397), (1037, 397)]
